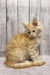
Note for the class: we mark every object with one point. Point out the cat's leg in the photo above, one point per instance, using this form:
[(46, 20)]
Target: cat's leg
[(34, 55), (37, 52), (37, 49)]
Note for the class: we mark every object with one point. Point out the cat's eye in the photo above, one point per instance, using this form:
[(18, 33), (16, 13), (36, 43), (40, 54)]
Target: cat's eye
[(29, 32), (33, 30)]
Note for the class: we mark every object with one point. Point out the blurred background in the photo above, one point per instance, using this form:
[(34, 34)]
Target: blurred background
[(14, 12)]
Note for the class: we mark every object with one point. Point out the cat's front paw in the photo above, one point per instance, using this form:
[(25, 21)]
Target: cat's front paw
[(37, 58)]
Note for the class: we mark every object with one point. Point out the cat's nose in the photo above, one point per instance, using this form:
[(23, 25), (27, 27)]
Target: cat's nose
[(31, 35)]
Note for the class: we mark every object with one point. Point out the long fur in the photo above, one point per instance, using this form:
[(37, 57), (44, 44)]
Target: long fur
[(24, 46), (25, 64)]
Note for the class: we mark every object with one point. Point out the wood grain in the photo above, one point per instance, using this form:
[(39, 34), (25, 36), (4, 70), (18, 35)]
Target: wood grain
[(11, 18), (49, 28), (45, 26), (34, 9), (23, 14), (2, 25)]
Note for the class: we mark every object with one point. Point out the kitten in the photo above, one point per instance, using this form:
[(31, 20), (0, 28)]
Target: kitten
[(23, 47)]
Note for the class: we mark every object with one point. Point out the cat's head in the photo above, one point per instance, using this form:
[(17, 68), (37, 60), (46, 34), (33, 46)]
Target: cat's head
[(33, 29)]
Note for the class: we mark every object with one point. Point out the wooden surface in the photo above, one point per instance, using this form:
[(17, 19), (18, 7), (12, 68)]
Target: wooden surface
[(2, 25), (40, 70), (14, 12)]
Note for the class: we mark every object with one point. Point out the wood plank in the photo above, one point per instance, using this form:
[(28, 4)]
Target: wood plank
[(44, 47), (2, 25), (49, 28), (34, 9), (11, 18), (45, 26), (2, 53), (23, 14)]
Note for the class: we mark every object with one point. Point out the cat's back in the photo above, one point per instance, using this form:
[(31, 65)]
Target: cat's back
[(18, 40)]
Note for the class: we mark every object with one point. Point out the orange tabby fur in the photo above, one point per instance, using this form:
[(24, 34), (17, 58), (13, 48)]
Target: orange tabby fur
[(23, 47)]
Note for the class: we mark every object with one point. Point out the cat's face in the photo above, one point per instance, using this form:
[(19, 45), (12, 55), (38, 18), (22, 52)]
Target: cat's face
[(32, 31)]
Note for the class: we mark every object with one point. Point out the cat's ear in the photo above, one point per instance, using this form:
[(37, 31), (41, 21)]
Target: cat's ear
[(24, 25), (35, 22)]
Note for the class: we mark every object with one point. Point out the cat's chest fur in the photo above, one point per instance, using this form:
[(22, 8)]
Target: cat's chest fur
[(34, 43), (27, 42)]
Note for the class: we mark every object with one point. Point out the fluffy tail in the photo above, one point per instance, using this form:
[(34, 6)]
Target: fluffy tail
[(24, 64)]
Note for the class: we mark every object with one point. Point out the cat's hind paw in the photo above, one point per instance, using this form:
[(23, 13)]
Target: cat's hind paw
[(40, 57)]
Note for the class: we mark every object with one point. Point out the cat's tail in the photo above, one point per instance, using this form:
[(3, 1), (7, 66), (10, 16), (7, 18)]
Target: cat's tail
[(25, 64)]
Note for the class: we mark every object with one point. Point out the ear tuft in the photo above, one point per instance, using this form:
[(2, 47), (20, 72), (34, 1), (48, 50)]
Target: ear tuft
[(35, 22), (24, 25)]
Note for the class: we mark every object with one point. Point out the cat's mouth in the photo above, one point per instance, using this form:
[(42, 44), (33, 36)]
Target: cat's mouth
[(32, 37)]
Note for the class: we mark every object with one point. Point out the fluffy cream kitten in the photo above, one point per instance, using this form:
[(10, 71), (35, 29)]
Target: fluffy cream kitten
[(22, 49)]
